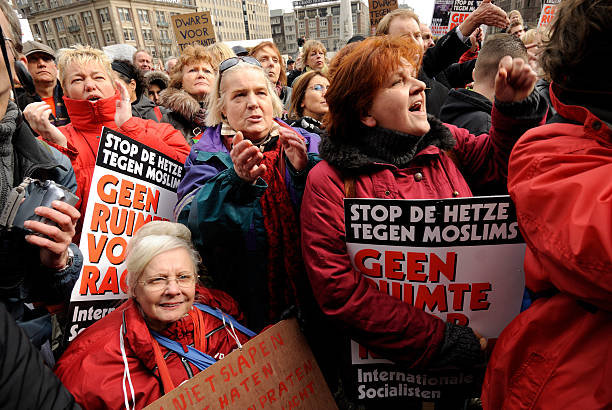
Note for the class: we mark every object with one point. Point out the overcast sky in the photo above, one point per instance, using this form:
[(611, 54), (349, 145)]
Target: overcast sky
[(424, 8)]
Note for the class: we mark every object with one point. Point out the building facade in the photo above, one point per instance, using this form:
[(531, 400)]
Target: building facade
[(319, 21), (144, 24), (530, 9)]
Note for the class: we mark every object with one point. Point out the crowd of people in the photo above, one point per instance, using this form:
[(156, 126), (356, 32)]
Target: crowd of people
[(271, 148)]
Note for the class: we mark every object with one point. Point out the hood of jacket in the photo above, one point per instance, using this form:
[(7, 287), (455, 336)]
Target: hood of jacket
[(358, 155), (180, 102), (156, 75), (91, 116)]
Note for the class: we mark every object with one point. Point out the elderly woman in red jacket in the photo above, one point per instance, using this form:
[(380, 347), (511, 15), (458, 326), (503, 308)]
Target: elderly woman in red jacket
[(169, 330), (382, 144), (94, 100)]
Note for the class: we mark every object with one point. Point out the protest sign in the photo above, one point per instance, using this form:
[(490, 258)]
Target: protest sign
[(459, 259), (193, 28), (441, 17), (379, 9), (274, 370), (132, 184), (461, 9), (548, 12)]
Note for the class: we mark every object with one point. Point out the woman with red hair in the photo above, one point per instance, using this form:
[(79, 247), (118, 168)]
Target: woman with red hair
[(382, 144)]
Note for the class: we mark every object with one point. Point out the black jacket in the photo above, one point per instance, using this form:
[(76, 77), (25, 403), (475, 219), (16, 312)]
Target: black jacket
[(61, 113), (23, 279), (435, 94), (25, 381), (467, 109), (448, 50), (146, 109)]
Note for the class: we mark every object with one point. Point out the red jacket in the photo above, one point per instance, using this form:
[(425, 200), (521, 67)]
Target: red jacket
[(384, 324), (558, 353), (83, 134), (92, 367)]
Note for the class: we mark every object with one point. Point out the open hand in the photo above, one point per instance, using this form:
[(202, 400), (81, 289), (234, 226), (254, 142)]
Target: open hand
[(487, 13), (246, 158), (124, 106), (294, 147), (54, 244), (515, 80), (37, 115)]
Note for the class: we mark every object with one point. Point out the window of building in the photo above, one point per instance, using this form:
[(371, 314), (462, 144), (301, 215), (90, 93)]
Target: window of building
[(336, 11), (109, 36), (143, 16), (301, 25), (78, 39), (63, 42), (72, 21), (93, 39), (311, 24), (147, 34), (160, 16), (104, 15), (59, 23), (87, 18), (163, 34), (124, 14), (46, 26), (335, 21), (323, 22), (128, 34), (53, 4), (52, 44), (336, 31)]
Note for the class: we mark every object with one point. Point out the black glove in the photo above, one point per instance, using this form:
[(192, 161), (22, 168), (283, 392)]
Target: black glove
[(461, 348)]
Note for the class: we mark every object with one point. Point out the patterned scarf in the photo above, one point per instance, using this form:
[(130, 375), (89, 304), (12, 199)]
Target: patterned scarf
[(285, 267)]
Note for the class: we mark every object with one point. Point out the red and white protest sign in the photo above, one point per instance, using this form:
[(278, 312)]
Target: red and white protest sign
[(132, 184), (548, 12), (459, 259), (274, 370)]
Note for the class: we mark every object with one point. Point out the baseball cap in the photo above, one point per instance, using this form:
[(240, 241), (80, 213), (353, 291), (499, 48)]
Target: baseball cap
[(31, 47)]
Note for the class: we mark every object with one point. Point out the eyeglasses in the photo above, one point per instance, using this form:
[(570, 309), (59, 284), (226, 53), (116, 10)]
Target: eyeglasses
[(159, 283), (319, 87), (11, 44)]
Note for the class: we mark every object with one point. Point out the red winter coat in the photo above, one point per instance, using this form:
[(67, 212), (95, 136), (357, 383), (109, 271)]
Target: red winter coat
[(380, 322), (558, 353), (92, 366), (83, 134)]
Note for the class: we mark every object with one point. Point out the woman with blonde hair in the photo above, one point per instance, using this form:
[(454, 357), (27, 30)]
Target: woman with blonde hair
[(314, 57), (241, 191), (190, 82)]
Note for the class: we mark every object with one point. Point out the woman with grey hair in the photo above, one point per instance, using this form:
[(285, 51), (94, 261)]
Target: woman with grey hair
[(169, 329), (242, 190)]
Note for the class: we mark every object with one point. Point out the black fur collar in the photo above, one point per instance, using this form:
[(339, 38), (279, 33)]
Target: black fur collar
[(380, 145)]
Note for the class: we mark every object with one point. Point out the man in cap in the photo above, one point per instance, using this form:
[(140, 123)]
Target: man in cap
[(42, 68)]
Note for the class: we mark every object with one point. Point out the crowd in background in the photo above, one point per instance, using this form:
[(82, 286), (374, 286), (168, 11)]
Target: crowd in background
[(270, 148)]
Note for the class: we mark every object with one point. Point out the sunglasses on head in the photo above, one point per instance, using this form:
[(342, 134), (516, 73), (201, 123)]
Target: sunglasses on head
[(232, 61)]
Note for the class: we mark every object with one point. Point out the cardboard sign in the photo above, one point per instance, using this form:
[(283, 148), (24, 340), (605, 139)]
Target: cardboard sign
[(274, 370), (132, 184), (461, 9), (193, 28), (379, 9), (441, 17), (459, 259), (548, 12)]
